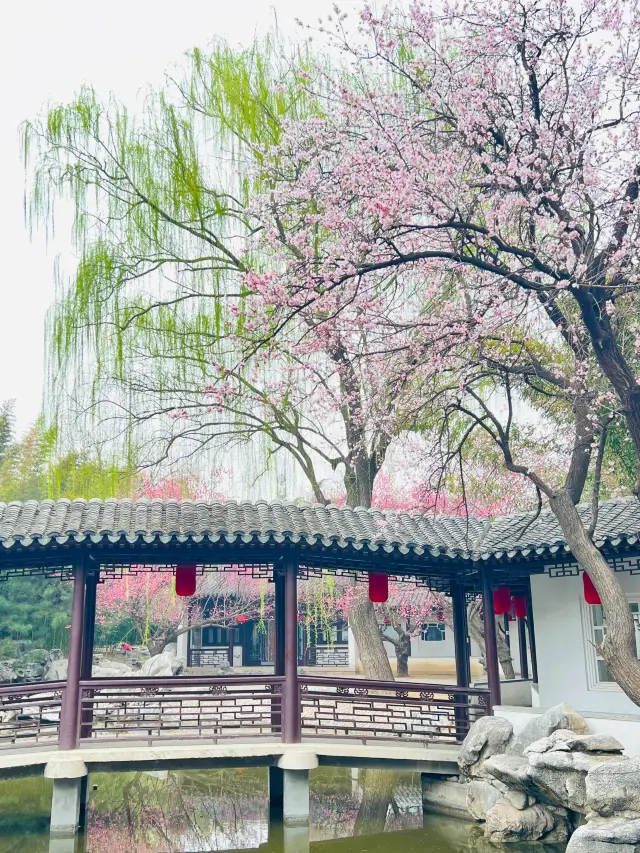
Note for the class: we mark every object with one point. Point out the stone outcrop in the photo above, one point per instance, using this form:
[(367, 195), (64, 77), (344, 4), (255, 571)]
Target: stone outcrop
[(560, 777), (163, 665), (506, 823), (488, 736), (559, 717), (482, 796), (27, 668), (613, 790), (534, 786), (57, 670), (606, 836)]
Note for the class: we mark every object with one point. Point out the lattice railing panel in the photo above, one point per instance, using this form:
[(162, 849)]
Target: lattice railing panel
[(30, 714), (182, 708), (109, 571), (398, 711), (62, 573)]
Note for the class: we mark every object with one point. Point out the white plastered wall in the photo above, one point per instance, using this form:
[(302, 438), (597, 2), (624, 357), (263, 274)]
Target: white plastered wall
[(565, 656)]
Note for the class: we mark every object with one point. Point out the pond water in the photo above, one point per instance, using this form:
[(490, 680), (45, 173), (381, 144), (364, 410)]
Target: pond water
[(198, 811)]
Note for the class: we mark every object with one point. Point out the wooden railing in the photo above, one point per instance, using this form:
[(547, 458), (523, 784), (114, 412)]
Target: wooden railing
[(30, 714), (400, 711), (181, 708), (236, 706)]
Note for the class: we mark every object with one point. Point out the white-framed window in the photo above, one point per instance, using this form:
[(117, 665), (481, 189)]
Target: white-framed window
[(595, 629), (433, 632)]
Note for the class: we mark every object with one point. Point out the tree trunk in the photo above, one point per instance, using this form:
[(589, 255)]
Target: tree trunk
[(156, 645), (362, 615), (476, 632), (364, 625), (402, 664), (619, 647), (581, 455), (403, 652)]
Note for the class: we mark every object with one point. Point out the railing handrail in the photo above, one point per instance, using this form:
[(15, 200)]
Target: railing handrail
[(28, 687), (336, 681), (180, 681)]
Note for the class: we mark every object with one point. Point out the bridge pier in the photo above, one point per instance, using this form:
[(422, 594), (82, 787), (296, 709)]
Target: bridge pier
[(69, 793), (296, 839), (63, 844), (289, 788)]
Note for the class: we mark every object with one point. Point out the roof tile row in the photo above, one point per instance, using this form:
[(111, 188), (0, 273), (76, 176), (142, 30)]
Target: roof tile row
[(523, 533)]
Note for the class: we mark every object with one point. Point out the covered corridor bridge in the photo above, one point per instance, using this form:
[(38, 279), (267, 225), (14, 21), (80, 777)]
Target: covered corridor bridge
[(87, 542)]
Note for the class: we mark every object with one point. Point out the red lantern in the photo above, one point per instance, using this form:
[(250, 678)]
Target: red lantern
[(185, 580), (501, 600), (520, 606), (590, 592), (378, 588), (242, 619)]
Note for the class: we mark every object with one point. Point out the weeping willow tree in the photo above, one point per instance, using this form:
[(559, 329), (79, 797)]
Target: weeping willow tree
[(163, 231)]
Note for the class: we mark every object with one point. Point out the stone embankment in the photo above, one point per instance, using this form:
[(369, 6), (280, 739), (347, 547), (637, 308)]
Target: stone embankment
[(544, 783)]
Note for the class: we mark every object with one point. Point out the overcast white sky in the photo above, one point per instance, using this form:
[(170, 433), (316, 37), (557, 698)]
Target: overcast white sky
[(48, 48)]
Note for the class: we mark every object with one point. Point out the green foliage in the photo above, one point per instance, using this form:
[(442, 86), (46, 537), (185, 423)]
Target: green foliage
[(6, 426), (161, 215), (35, 612)]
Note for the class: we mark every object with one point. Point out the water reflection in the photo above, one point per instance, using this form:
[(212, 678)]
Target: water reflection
[(200, 811)]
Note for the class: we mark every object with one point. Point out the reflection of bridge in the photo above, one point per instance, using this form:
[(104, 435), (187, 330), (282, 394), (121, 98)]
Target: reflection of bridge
[(289, 766), (87, 542)]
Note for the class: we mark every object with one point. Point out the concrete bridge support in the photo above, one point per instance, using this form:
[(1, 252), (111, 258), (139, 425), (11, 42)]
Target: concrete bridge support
[(69, 794), (289, 788)]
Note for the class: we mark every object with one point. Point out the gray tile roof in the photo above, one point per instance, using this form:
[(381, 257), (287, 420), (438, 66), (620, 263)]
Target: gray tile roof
[(523, 533), (114, 520)]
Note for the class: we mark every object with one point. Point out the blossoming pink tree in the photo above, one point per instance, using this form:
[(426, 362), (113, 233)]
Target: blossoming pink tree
[(160, 616), (489, 153), (376, 285)]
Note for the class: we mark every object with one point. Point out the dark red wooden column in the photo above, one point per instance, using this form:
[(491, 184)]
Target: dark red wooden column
[(463, 662), (88, 638), (89, 627), (291, 710), (279, 642), (460, 634), (490, 642), (69, 716)]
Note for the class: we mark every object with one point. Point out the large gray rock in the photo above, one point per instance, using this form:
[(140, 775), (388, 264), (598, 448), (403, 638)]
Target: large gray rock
[(561, 716), (506, 823), (560, 777), (564, 740), (110, 670), (607, 836), (481, 797), (519, 799), (614, 789), (163, 665), (57, 670), (116, 666), (487, 736), (511, 770)]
